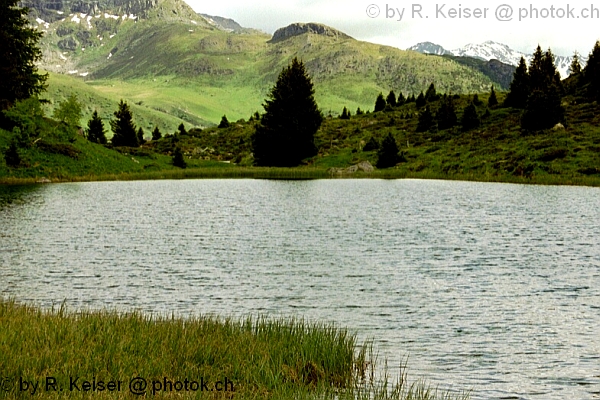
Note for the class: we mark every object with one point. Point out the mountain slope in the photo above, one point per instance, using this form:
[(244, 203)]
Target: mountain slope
[(171, 58)]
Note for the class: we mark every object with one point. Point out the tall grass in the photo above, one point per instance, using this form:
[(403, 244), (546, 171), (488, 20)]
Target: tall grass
[(262, 358)]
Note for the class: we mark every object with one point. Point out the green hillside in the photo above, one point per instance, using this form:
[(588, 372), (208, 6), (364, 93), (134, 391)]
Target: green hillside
[(60, 87), (186, 67)]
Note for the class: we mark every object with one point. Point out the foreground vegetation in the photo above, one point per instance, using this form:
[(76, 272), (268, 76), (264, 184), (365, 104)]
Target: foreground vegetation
[(261, 358)]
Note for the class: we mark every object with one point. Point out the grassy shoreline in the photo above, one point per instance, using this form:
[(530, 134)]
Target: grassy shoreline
[(102, 352), (304, 173)]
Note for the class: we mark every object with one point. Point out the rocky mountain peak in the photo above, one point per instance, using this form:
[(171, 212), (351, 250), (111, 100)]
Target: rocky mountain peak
[(302, 28), (58, 9)]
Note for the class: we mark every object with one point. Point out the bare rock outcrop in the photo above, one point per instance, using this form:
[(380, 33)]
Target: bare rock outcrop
[(302, 28), (364, 166)]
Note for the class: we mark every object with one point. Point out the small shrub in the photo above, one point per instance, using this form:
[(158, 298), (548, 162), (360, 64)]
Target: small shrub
[(178, 159)]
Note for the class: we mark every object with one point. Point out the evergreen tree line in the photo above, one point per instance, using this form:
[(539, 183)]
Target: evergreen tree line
[(538, 89)]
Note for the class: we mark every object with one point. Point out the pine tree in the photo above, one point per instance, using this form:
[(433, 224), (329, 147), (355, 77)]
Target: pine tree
[(156, 134), (537, 78), (95, 131), (359, 111), (224, 122), (178, 160), (411, 99), (519, 87), (371, 145), (431, 94), (19, 52), (550, 73), (379, 103), (492, 100), (575, 68), (421, 100), (388, 156), (543, 110), (446, 115), (591, 73), (426, 121), (123, 127), (287, 130), (470, 119), (345, 114), (400, 100), (181, 129), (140, 136), (391, 99)]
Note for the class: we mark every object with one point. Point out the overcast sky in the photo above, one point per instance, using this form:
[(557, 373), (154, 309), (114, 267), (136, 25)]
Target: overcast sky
[(575, 26)]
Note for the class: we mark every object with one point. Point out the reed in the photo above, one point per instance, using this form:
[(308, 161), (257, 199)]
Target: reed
[(261, 358)]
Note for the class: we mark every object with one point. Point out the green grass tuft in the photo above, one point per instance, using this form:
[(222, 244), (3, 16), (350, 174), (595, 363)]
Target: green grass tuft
[(263, 358)]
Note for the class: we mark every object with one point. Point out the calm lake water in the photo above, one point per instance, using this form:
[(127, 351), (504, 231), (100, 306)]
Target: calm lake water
[(490, 287)]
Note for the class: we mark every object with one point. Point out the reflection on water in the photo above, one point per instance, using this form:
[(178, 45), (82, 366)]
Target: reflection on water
[(485, 286)]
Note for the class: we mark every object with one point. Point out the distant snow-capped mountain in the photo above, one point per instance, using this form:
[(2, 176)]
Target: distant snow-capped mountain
[(491, 50)]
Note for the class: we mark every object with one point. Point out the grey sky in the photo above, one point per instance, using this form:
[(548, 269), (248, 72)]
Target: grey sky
[(563, 35)]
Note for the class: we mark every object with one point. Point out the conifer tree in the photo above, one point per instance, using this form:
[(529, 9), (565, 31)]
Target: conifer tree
[(519, 87), (431, 94), (470, 119), (140, 136), (95, 131), (426, 121), (123, 127), (19, 52), (181, 129), (359, 111), (543, 110), (156, 134), (446, 115), (550, 73), (388, 156), (224, 122), (178, 160), (492, 100), (379, 103), (391, 99), (420, 101), (591, 73), (286, 132), (476, 100), (345, 114), (400, 100), (411, 99), (536, 70), (575, 67), (371, 145)]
